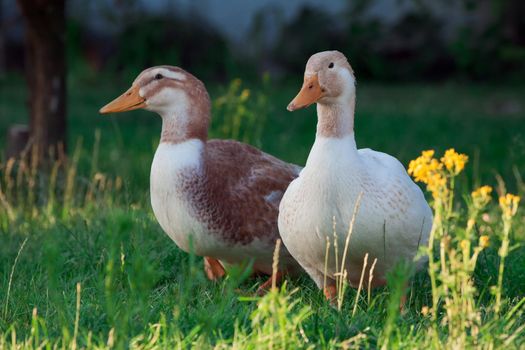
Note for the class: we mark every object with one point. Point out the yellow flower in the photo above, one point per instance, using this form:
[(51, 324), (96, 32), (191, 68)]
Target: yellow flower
[(453, 161), (464, 244), (430, 171), (509, 205), (118, 183), (425, 310), (481, 197), (484, 241), (236, 82), (428, 154), (470, 224), (245, 94), (437, 184), (424, 166)]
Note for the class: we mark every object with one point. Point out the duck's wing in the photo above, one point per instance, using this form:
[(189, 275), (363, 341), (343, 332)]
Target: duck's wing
[(402, 197), (388, 170), (249, 185)]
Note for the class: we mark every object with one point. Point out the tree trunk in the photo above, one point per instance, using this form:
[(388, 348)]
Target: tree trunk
[(2, 41), (45, 68)]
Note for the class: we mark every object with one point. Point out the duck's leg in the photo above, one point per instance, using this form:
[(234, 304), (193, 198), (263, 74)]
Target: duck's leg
[(213, 268), (330, 293), (325, 283), (265, 287), (403, 299)]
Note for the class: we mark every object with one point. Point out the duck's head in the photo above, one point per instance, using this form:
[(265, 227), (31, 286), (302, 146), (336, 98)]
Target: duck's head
[(328, 79), (166, 90)]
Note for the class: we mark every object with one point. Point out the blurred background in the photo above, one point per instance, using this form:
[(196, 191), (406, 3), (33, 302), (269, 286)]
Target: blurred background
[(407, 40), (431, 74), (387, 40)]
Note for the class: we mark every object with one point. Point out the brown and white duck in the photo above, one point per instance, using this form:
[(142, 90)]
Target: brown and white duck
[(219, 198)]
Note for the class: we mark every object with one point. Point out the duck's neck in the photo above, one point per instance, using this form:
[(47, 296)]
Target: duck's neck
[(336, 120), (182, 125)]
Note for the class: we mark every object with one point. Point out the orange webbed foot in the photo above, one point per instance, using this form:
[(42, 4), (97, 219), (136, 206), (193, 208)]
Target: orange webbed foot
[(266, 286), (213, 268), (330, 293)]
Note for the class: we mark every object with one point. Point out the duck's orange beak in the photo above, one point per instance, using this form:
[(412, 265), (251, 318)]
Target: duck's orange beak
[(310, 93), (128, 101)]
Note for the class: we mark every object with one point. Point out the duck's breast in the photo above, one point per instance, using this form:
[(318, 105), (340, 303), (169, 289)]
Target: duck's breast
[(172, 164), (318, 200)]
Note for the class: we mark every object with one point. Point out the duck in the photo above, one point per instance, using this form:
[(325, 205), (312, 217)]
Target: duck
[(216, 198), (392, 216)]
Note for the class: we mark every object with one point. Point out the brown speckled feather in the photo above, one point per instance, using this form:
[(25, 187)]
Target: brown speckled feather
[(239, 193)]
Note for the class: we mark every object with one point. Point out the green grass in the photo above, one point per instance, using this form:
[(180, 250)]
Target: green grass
[(137, 289)]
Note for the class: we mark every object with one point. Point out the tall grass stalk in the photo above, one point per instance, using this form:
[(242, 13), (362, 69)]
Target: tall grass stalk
[(341, 275), (11, 277), (361, 280), (70, 179), (77, 318), (370, 279), (503, 252), (509, 207), (275, 264)]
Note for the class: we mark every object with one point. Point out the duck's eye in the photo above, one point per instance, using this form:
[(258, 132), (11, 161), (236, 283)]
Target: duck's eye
[(159, 76), (331, 65)]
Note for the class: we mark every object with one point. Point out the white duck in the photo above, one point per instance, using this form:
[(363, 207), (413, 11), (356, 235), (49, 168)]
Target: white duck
[(393, 219), (219, 197)]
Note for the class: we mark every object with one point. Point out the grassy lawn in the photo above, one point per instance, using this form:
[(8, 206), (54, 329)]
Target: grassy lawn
[(94, 268)]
